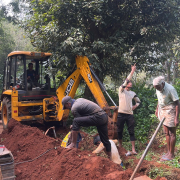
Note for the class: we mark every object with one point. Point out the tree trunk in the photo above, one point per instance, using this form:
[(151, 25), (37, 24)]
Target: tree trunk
[(175, 71), (167, 67), (87, 93)]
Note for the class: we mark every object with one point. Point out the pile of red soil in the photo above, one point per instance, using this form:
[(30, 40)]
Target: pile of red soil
[(37, 156)]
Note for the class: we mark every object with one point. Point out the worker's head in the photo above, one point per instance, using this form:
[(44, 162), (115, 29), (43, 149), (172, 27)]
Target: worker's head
[(128, 86), (159, 83), (30, 66), (67, 102), (97, 140)]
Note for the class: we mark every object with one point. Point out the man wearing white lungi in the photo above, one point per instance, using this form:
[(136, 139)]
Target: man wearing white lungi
[(168, 107)]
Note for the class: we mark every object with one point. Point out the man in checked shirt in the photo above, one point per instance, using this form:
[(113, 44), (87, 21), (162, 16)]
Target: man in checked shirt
[(126, 108)]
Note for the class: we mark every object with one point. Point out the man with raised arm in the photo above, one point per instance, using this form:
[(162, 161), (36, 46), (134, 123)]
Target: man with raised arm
[(126, 108)]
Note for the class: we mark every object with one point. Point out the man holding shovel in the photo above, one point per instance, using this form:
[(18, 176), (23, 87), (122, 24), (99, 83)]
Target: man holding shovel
[(167, 107), (87, 113)]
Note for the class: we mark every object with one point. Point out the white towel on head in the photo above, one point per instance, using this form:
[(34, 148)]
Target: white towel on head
[(158, 80)]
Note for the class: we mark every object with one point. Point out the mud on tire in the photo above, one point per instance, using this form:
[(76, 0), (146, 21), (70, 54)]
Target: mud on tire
[(6, 112)]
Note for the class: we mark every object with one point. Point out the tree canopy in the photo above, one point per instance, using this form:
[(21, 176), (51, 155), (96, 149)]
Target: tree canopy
[(112, 33), (12, 38), (6, 44)]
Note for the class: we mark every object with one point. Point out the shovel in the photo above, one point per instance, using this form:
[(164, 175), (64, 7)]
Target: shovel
[(147, 148)]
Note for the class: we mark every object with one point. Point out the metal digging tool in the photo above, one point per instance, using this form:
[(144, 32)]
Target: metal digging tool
[(147, 148), (53, 128), (102, 86)]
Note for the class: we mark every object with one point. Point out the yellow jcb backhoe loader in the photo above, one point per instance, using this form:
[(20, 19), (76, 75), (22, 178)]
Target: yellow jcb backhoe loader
[(32, 95)]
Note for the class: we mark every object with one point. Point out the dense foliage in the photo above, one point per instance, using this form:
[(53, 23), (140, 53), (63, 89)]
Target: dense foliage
[(177, 87), (112, 33), (144, 115), (146, 121), (6, 44), (12, 37)]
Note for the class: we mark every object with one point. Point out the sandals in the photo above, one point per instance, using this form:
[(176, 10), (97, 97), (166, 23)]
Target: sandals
[(134, 153), (129, 153), (165, 159)]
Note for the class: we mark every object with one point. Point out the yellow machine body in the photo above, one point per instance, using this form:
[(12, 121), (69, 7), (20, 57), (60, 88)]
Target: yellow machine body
[(52, 106)]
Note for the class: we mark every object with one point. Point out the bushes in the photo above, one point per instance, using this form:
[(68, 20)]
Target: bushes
[(144, 114), (177, 87)]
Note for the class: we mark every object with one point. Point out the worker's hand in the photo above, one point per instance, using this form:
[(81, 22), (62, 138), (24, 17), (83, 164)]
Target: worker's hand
[(115, 108), (176, 122), (133, 68), (134, 107)]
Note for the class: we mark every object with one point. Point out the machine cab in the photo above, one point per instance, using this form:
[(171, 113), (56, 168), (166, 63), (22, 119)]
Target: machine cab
[(30, 74)]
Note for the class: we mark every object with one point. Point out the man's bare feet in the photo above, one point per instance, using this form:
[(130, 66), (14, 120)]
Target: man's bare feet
[(165, 155), (168, 157), (134, 153), (72, 145)]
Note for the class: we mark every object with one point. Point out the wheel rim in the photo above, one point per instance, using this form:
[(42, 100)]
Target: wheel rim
[(5, 118)]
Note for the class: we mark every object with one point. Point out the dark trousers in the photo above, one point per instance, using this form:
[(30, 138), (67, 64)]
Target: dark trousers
[(100, 121), (130, 122)]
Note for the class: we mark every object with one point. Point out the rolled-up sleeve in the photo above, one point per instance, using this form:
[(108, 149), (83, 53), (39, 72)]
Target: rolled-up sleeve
[(137, 100)]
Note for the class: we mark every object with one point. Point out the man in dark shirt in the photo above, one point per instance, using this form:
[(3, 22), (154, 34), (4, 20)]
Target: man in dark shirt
[(30, 73), (87, 113), (32, 77)]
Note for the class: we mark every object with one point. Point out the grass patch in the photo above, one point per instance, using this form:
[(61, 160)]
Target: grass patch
[(154, 172)]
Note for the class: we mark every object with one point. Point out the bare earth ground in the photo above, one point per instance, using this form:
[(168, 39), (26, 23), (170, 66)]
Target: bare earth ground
[(38, 156)]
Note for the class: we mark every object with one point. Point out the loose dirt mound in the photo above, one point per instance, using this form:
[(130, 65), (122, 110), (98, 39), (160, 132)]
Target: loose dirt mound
[(40, 157), (37, 156)]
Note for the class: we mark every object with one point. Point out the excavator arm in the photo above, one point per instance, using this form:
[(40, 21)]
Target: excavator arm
[(69, 88)]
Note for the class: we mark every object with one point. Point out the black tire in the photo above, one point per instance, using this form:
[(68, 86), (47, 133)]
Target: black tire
[(6, 112)]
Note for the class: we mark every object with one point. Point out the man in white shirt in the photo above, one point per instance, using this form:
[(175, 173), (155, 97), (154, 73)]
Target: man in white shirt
[(168, 107), (126, 108)]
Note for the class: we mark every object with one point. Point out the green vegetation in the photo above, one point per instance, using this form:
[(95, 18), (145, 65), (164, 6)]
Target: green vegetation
[(113, 34), (161, 172), (145, 119)]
